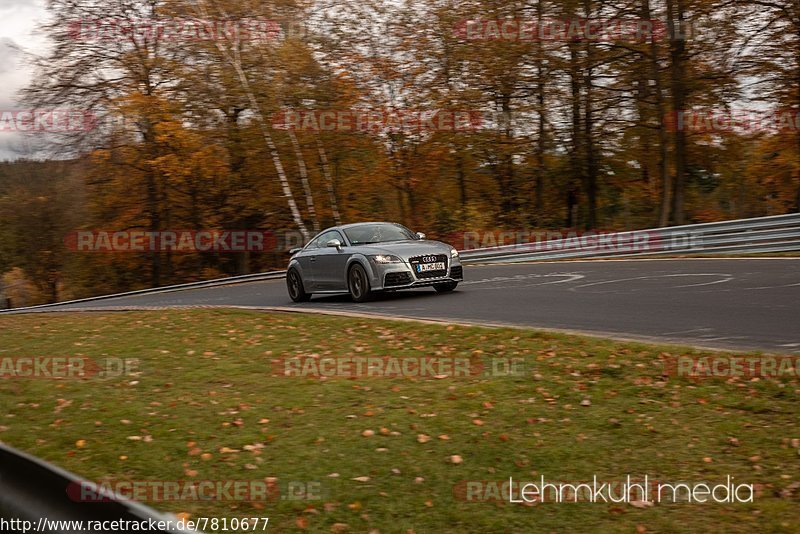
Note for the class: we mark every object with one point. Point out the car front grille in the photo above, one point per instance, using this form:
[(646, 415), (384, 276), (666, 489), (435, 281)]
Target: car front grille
[(397, 279), (429, 274), (457, 272)]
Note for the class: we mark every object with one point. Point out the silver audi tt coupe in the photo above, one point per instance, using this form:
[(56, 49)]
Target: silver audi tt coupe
[(364, 258)]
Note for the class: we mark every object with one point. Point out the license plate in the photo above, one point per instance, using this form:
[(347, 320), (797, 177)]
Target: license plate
[(425, 267)]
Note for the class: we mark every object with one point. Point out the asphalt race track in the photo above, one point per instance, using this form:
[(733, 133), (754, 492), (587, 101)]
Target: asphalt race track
[(747, 304)]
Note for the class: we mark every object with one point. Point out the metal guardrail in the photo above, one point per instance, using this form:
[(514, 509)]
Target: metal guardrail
[(779, 233), (257, 277), (33, 491)]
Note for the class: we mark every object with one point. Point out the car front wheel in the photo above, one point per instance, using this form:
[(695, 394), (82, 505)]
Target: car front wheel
[(445, 287), (358, 284), (294, 283)]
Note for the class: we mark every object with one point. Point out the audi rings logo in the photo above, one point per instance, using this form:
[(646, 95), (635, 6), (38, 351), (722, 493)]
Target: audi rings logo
[(428, 259)]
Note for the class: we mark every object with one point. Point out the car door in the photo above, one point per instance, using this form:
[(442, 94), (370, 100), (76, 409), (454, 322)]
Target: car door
[(330, 262), (307, 260)]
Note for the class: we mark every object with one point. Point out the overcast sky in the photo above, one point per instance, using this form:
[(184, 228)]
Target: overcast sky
[(19, 19)]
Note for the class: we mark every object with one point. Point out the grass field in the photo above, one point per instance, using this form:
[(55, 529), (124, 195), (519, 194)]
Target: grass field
[(391, 454)]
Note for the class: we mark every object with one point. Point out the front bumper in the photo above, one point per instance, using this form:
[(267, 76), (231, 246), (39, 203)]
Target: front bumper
[(402, 276)]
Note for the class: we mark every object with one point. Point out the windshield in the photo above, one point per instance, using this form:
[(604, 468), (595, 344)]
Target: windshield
[(366, 234)]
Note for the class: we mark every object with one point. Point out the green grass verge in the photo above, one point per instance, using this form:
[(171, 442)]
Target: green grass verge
[(205, 387)]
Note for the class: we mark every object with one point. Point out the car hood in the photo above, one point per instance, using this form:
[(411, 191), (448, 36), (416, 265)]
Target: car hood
[(406, 249)]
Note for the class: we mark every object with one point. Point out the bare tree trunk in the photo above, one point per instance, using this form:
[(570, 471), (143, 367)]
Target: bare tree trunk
[(326, 173), (236, 61), (462, 183), (576, 148), (660, 111), (301, 166), (276, 159), (153, 203), (675, 15), (797, 135), (590, 166), (541, 142)]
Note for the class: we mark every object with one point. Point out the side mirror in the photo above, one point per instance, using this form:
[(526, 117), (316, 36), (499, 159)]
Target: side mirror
[(420, 235), (334, 243), (294, 251)]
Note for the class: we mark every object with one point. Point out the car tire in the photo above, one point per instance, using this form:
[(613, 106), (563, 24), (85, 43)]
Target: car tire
[(445, 287), (358, 284), (294, 283)]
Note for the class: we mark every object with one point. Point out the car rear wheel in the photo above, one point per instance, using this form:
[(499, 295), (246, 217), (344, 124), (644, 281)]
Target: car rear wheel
[(445, 287), (294, 283), (358, 284)]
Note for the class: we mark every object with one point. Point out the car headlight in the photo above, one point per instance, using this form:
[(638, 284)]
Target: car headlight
[(386, 258), (453, 253)]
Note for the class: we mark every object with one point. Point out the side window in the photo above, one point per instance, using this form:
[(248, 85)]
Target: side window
[(327, 236), (314, 243), (322, 240), (338, 236)]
